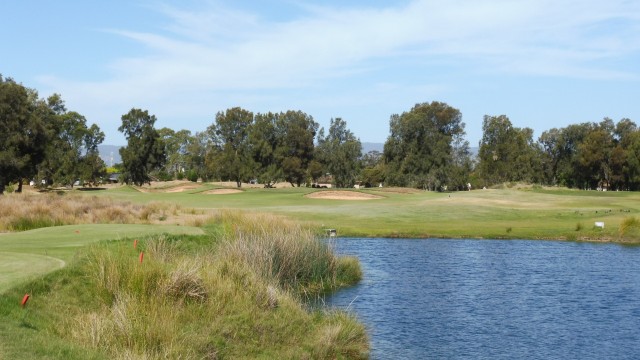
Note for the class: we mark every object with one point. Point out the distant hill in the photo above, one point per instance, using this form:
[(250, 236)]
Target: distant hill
[(110, 154), (369, 146)]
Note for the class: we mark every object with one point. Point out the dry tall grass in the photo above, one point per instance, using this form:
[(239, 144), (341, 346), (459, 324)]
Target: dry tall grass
[(216, 303), (285, 252), (19, 212)]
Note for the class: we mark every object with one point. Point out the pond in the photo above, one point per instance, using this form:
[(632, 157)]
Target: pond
[(495, 299)]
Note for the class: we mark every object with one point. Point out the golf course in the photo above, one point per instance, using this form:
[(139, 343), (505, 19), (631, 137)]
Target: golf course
[(93, 296)]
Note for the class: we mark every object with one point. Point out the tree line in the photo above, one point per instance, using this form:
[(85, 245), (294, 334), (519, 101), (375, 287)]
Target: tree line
[(426, 149)]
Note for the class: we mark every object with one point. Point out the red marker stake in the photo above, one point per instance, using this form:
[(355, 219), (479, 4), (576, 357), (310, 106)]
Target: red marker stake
[(24, 300), (141, 257), (135, 243)]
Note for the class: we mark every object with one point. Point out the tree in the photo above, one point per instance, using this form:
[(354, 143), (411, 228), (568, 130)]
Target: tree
[(72, 153), (145, 150), (231, 157), (340, 151), (24, 135), (176, 144), (196, 154), (295, 133), (372, 169), (594, 155), (265, 139), (507, 153), (419, 150)]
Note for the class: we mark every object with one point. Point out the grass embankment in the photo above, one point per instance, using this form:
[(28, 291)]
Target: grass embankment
[(527, 213), (234, 293)]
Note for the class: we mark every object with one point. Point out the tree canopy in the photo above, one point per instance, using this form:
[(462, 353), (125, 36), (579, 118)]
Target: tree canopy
[(145, 150)]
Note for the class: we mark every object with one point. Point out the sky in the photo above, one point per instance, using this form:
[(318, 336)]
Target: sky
[(545, 64)]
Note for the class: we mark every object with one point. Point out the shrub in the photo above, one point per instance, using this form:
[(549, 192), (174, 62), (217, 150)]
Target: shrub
[(629, 229), (192, 176)]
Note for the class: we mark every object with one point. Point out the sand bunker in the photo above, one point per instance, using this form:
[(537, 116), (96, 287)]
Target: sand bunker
[(222, 191), (182, 188), (342, 195)]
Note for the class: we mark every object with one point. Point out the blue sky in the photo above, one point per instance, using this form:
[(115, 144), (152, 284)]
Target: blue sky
[(542, 63)]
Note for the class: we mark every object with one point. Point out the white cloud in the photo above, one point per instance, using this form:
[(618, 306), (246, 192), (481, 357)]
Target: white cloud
[(215, 51)]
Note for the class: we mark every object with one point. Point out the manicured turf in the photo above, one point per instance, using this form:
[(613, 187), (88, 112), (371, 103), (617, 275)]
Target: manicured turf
[(27, 254), (504, 213)]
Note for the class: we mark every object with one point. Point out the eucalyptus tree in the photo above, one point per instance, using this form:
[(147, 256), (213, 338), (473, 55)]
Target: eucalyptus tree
[(508, 153), (23, 133), (230, 154), (265, 139), (72, 152), (340, 151), (176, 147), (296, 132), (419, 150), (145, 150)]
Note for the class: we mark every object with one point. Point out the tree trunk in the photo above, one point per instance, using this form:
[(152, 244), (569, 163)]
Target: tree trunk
[(19, 191), (239, 183)]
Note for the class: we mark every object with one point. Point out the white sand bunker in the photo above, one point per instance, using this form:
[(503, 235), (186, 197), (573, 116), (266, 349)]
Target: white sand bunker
[(222, 191), (342, 195)]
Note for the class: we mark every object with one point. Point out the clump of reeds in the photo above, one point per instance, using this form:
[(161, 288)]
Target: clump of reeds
[(285, 252)]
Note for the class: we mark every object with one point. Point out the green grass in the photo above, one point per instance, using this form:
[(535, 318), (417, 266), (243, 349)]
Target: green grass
[(531, 213), (197, 296), (243, 301), (26, 254)]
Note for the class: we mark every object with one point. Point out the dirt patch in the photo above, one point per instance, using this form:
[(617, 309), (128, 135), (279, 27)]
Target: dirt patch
[(342, 195), (222, 191)]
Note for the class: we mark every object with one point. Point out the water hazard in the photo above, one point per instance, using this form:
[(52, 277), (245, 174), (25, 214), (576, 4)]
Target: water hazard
[(481, 299)]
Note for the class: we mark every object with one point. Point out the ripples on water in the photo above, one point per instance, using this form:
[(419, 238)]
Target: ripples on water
[(492, 299)]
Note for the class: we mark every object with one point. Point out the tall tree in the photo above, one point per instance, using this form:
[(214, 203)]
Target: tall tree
[(340, 151), (72, 152), (24, 135), (296, 132), (265, 139), (594, 155), (419, 150), (176, 144), (231, 157), (196, 153), (145, 149), (507, 153)]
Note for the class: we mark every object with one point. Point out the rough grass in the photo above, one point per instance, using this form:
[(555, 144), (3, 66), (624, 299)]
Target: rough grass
[(20, 212), (629, 229), (201, 297)]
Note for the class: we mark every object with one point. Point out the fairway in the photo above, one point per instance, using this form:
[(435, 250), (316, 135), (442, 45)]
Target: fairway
[(528, 213), (550, 213), (26, 254)]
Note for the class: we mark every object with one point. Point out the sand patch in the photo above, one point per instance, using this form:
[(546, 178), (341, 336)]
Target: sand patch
[(222, 191), (182, 188), (342, 195)]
